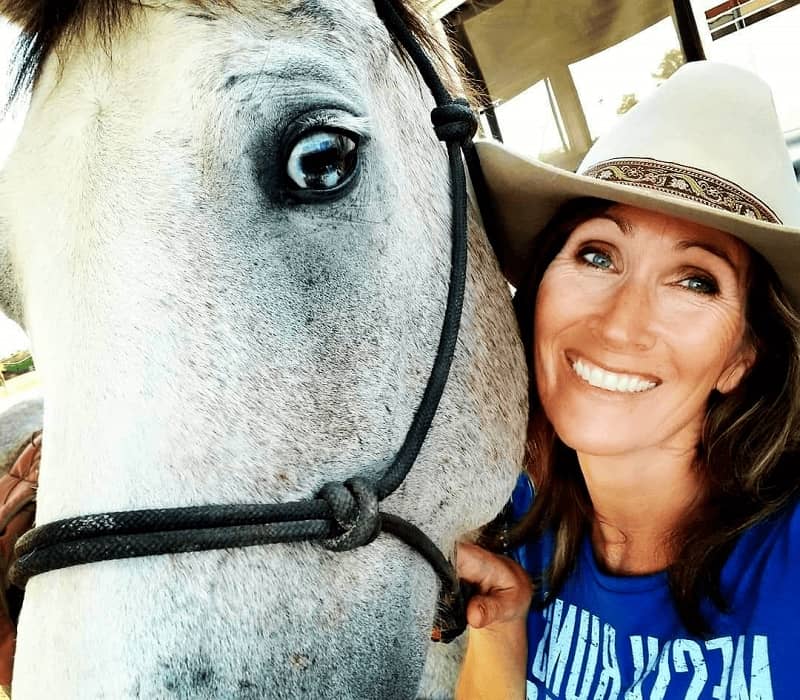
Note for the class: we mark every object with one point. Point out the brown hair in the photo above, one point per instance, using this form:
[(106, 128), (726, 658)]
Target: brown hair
[(746, 452)]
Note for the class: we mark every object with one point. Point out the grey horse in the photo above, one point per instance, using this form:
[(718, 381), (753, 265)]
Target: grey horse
[(225, 226)]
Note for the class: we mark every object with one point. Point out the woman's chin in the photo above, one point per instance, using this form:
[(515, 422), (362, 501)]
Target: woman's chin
[(593, 421), (596, 437)]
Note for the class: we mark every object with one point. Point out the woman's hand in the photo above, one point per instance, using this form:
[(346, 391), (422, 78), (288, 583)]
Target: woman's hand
[(504, 589), (495, 662)]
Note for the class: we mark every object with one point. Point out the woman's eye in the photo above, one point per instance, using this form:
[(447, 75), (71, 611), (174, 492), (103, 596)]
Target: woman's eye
[(701, 285), (596, 258), (322, 161)]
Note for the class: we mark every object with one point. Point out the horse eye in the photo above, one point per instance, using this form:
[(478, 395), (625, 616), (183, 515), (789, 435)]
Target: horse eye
[(323, 161)]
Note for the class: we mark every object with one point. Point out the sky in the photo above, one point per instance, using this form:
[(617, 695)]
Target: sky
[(11, 336), (769, 48)]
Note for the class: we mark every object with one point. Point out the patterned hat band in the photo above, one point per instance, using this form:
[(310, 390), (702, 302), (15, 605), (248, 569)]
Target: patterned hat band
[(685, 182)]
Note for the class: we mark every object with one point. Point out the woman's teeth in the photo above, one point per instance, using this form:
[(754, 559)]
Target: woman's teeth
[(610, 381)]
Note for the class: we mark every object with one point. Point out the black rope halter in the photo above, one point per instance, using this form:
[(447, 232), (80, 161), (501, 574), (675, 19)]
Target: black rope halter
[(343, 516)]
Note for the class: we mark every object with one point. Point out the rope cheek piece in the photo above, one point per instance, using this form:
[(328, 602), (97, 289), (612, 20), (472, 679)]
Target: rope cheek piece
[(343, 516)]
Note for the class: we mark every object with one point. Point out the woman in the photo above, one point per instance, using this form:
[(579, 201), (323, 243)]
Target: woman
[(658, 307)]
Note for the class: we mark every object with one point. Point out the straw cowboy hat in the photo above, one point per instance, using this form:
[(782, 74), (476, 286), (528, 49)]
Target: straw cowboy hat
[(705, 146)]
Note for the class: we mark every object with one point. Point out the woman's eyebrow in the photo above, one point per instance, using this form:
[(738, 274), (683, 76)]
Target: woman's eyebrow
[(622, 223), (627, 229), (711, 248)]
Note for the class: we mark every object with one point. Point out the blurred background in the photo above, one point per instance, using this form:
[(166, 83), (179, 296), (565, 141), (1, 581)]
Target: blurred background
[(555, 75), (18, 378)]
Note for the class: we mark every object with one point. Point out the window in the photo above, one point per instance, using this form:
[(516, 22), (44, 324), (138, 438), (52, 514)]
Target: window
[(557, 75), (734, 15), (762, 36)]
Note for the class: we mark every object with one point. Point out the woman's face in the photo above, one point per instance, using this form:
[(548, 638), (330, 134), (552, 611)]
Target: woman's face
[(638, 319)]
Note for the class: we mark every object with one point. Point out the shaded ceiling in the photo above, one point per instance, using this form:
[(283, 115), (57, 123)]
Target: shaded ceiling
[(519, 42)]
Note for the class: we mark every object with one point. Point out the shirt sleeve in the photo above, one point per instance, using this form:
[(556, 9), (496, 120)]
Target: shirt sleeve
[(521, 498), (520, 503)]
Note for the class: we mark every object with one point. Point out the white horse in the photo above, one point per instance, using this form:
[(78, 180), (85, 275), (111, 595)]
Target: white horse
[(208, 332)]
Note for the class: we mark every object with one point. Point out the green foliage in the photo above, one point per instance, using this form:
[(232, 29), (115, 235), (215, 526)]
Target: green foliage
[(628, 101), (16, 357), (18, 363), (672, 60)]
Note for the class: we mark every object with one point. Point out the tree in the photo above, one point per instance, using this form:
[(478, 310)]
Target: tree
[(672, 60), (628, 101)]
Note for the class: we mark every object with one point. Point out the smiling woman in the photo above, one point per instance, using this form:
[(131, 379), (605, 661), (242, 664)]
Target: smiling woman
[(657, 301), (637, 307), (206, 179)]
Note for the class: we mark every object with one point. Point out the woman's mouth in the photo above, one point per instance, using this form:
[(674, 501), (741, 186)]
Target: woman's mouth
[(611, 381)]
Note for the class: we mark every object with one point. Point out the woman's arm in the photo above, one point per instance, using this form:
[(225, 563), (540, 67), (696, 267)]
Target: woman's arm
[(497, 649), (494, 665)]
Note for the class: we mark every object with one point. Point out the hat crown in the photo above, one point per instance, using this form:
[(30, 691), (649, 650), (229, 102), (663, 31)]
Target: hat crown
[(713, 127)]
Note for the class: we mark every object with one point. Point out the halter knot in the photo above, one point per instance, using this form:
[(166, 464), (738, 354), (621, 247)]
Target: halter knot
[(454, 121), (354, 505)]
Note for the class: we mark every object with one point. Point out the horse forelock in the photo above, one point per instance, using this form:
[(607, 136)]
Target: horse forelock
[(48, 24)]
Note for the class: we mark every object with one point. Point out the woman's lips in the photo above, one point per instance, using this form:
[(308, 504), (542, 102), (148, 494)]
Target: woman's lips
[(602, 378)]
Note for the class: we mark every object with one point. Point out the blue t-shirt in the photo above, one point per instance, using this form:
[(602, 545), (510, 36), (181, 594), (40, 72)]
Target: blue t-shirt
[(619, 637)]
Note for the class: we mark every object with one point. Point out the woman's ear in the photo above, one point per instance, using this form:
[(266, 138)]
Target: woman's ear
[(733, 374)]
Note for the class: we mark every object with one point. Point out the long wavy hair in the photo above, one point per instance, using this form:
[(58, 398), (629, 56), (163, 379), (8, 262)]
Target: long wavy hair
[(746, 455)]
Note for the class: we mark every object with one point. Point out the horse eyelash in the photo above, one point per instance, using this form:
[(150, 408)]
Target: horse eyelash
[(333, 119)]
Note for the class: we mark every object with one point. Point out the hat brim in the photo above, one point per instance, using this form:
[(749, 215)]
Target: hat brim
[(525, 194)]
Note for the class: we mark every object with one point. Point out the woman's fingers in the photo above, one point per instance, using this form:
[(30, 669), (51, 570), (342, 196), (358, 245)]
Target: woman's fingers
[(498, 606), (504, 589), (483, 611), (476, 565)]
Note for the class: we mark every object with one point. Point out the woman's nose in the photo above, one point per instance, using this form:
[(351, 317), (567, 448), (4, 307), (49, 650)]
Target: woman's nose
[(625, 321)]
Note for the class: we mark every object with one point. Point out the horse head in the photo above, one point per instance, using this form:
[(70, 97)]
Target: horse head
[(225, 226)]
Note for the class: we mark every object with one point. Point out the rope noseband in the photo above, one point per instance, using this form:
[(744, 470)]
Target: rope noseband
[(343, 516)]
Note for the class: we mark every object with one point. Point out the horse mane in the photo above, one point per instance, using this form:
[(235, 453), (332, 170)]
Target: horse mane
[(46, 24)]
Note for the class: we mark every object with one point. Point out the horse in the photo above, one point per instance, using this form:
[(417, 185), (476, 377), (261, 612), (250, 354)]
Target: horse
[(225, 226)]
